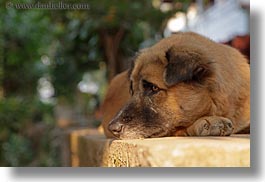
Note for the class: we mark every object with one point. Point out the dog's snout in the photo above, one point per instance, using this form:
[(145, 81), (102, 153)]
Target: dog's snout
[(116, 128), (127, 119)]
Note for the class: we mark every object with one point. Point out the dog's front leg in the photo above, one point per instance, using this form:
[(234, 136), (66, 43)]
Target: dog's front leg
[(211, 126)]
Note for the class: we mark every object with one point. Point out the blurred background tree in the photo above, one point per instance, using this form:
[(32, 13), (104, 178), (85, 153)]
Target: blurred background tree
[(55, 65)]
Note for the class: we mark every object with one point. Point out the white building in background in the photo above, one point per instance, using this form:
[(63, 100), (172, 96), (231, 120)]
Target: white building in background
[(221, 22)]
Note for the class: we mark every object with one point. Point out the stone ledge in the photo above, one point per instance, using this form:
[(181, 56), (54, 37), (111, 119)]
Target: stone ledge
[(89, 148)]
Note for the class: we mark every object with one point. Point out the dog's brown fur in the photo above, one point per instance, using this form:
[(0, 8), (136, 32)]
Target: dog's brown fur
[(184, 85)]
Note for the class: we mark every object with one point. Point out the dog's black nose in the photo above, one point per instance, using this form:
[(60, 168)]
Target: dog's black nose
[(116, 128)]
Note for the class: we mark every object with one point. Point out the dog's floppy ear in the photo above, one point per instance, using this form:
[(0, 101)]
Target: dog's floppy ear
[(186, 65)]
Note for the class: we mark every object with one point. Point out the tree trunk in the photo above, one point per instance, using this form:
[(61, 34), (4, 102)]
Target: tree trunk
[(111, 44)]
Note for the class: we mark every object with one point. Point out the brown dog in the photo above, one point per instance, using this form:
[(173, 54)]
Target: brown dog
[(184, 85)]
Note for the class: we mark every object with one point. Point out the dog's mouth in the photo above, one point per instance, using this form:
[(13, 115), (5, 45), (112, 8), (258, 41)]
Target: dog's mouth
[(145, 132)]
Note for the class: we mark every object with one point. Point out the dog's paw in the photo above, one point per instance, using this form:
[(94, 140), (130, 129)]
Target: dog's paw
[(211, 126)]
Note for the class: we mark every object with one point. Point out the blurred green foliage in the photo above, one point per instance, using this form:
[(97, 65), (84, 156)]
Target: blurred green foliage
[(26, 137), (73, 43)]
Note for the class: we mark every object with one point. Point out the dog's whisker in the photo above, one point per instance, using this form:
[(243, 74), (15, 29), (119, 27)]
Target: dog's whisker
[(150, 100), (153, 109)]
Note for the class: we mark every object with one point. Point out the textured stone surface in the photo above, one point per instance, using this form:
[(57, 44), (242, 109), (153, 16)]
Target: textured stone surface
[(92, 149), (75, 147)]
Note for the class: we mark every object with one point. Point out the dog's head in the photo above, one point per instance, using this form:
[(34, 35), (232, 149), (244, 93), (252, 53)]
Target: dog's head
[(169, 91)]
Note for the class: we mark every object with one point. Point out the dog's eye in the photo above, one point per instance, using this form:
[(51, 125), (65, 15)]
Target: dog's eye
[(155, 88), (149, 87)]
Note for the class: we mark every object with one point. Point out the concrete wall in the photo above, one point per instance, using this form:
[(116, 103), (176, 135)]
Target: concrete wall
[(89, 148)]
